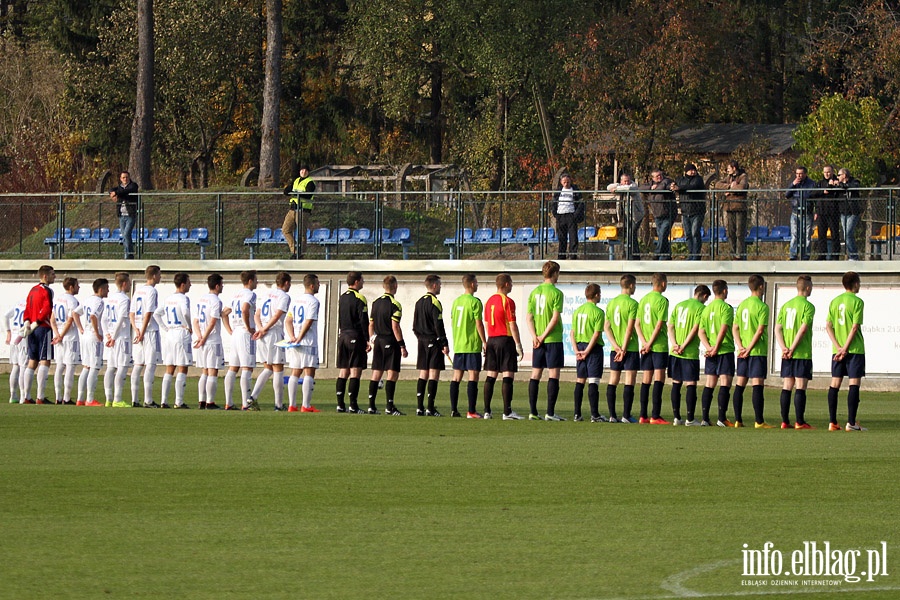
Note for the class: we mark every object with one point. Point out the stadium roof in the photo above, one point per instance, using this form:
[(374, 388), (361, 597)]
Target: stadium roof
[(725, 138)]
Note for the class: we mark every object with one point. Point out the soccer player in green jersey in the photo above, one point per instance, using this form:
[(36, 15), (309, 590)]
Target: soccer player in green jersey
[(624, 356), (793, 330), (468, 345), (586, 332), (751, 339), (684, 355), (545, 304), (717, 337), (653, 311), (844, 327)]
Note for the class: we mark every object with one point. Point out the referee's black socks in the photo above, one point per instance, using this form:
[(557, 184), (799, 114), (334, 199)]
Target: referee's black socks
[(420, 394), (340, 387)]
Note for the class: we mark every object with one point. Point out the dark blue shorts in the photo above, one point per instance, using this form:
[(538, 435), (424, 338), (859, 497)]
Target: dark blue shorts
[(467, 361), (853, 366), (630, 362), (752, 367), (721, 364), (592, 366), (654, 360), (684, 369), (548, 356), (797, 367), (39, 347)]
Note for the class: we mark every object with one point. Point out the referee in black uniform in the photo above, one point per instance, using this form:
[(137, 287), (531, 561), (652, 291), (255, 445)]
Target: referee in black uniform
[(388, 346), (353, 322), (428, 325)]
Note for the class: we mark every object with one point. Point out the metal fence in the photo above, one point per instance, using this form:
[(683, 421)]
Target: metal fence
[(471, 225)]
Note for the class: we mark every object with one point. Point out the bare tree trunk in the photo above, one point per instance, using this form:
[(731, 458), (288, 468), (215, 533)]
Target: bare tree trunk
[(142, 126), (269, 155), (436, 137)]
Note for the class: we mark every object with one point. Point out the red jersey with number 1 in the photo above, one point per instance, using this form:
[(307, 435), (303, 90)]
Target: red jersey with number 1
[(499, 312)]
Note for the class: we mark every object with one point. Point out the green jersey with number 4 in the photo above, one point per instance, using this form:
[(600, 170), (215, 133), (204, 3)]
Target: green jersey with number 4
[(619, 311), (844, 312), (544, 300), (717, 314), (684, 317), (653, 308), (751, 313), (586, 320), (794, 314), (466, 311)]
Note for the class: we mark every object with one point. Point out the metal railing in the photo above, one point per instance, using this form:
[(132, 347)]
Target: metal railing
[(446, 224)]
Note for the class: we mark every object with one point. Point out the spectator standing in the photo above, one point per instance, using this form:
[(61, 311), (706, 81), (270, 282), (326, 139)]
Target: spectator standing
[(827, 215), (630, 213), (126, 208), (662, 205), (568, 210), (301, 193), (692, 198), (850, 209), (799, 194), (735, 207)]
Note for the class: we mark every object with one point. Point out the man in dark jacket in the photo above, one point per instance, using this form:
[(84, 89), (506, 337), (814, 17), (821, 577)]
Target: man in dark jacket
[(799, 193), (568, 209), (827, 215), (126, 208), (850, 208), (692, 199), (662, 204)]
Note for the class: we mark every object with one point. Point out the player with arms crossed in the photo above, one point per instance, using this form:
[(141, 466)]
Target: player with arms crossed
[(301, 328), (468, 345), (793, 330)]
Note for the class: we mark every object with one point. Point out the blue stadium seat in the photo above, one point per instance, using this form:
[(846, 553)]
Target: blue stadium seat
[(318, 236), (586, 232), (100, 234), (524, 235), (82, 234), (548, 234), (363, 235), (779, 233), (160, 234), (483, 235), (179, 234), (756, 234)]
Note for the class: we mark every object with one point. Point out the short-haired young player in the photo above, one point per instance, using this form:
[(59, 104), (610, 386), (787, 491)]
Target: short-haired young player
[(624, 354), (174, 316), (301, 327), (208, 350), (586, 336), (468, 345), (544, 316), (844, 327), (388, 346), (503, 350), (68, 351), (40, 329), (270, 314), (147, 348), (117, 332), (92, 342), (241, 326), (428, 327), (718, 338), (794, 330), (684, 354), (751, 338), (653, 312), (353, 343)]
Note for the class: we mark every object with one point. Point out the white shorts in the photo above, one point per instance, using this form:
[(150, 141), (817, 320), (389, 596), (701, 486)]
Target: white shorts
[(91, 352), (244, 349), (68, 351), (18, 354), (120, 354), (210, 356), (177, 348), (266, 350), (303, 357), (149, 351)]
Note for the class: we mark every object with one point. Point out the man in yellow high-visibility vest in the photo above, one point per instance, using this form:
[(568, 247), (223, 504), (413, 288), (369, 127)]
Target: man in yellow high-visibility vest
[(301, 193)]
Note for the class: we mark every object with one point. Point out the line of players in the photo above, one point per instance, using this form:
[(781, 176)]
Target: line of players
[(645, 336), (140, 332)]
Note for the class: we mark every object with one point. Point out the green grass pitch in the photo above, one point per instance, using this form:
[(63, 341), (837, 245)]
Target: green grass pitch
[(134, 503)]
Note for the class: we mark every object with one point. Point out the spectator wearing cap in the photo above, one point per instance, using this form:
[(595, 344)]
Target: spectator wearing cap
[(692, 200), (568, 210), (301, 194)]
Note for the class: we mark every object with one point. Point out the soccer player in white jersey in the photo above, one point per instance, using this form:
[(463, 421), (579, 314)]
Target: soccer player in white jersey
[(92, 342), (174, 316), (117, 333), (269, 330), (68, 354), (301, 327), (208, 353), (13, 320), (147, 350), (241, 325)]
